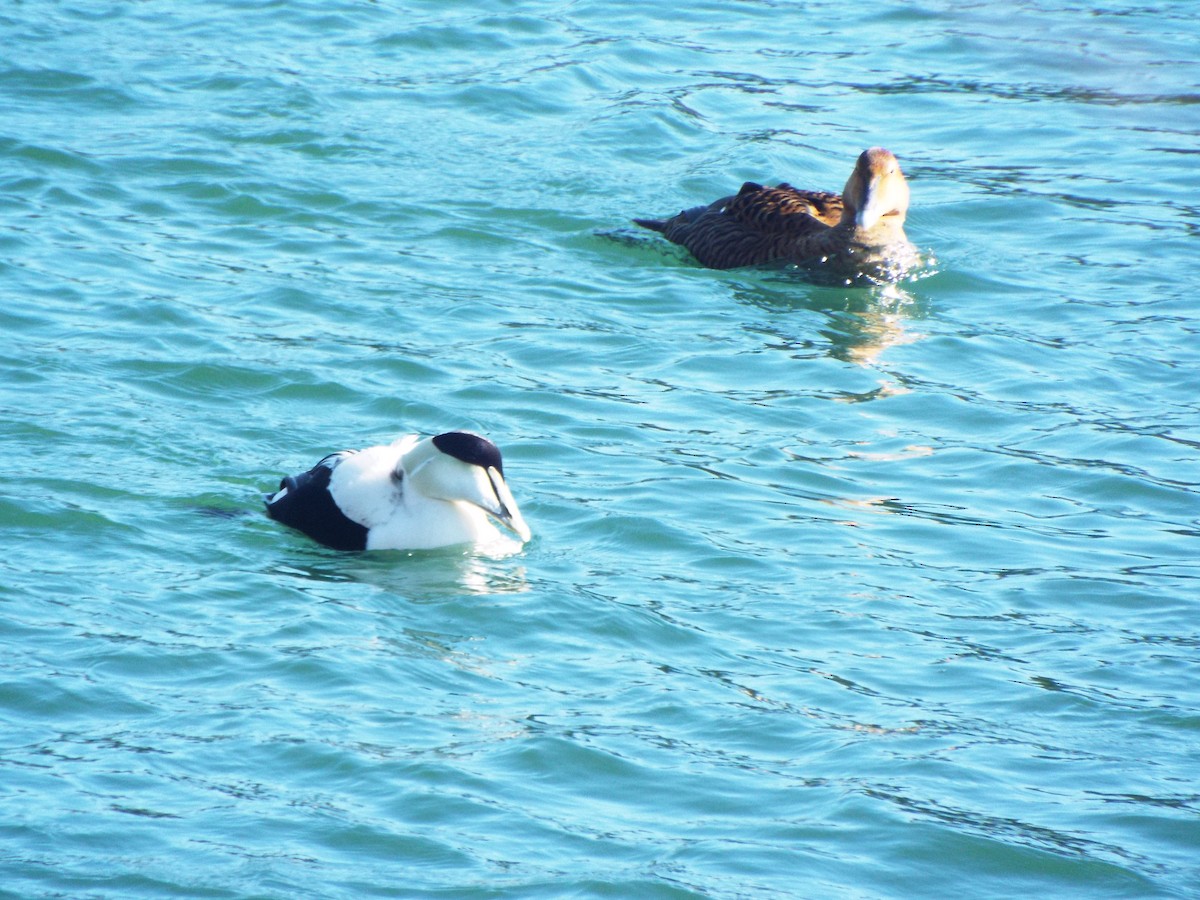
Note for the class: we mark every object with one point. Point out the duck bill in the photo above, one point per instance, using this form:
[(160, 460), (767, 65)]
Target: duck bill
[(873, 207), (503, 508)]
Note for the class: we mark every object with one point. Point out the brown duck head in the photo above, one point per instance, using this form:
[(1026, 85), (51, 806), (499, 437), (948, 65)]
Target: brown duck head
[(876, 194)]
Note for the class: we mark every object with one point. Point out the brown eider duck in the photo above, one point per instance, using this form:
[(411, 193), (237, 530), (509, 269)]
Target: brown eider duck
[(857, 233)]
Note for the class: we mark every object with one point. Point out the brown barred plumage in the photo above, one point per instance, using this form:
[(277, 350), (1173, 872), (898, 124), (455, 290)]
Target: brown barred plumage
[(861, 226)]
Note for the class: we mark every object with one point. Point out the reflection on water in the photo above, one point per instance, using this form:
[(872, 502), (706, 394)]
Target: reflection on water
[(419, 575), (883, 324), (862, 323), (894, 265), (768, 642)]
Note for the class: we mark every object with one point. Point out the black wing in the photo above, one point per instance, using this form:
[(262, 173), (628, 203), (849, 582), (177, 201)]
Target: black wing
[(305, 503)]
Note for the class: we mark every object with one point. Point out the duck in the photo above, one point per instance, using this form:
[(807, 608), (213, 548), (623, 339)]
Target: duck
[(857, 232), (416, 493)]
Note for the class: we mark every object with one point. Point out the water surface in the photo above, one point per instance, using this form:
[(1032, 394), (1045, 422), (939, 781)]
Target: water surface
[(834, 591)]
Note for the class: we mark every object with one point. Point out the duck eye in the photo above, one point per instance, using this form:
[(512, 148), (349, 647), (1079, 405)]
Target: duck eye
[(397, 476)]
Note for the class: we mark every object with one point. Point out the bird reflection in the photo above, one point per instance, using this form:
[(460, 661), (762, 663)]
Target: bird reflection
[(427, 575), (862, 324)]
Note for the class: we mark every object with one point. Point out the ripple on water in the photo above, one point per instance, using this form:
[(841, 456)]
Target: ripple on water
[(835, 590)]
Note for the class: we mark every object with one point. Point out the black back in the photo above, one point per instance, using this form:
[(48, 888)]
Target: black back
[(309, 507), (470, 448)]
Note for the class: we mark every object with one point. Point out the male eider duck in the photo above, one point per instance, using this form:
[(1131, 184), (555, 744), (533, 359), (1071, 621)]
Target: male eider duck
[(859, 232), (412, 494)]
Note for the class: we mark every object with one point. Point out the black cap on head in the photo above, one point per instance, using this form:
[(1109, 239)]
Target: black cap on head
[(472, 449)]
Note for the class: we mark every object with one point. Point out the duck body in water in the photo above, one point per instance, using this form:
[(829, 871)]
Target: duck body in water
[(859, 232), (413, 494)]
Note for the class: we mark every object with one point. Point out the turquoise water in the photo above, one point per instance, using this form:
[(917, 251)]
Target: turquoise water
[(834, 592)]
